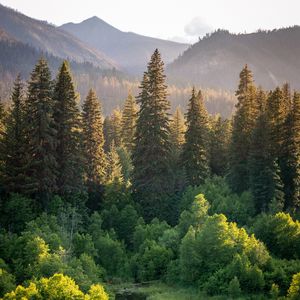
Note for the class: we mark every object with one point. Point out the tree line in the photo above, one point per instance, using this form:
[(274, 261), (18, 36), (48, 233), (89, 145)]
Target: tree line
[(142, 195)]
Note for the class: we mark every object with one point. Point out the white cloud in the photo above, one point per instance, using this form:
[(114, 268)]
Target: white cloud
[(197, 27)]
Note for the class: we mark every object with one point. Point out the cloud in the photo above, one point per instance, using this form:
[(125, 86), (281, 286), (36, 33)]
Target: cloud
[(197, 27)]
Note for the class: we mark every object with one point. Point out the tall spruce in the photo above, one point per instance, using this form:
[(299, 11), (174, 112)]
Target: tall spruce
[(194, 156), (68, 132), (293, 157), (261, 163), (129, 117), (40, 134), (243, 124), (13, 144), (152, 180), (114, 167), (93, 141), (177, 130), (220, 134)]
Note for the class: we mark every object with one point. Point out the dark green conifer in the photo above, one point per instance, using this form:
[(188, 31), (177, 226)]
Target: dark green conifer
[(93, 141), (13, 143), (152, 178), (243, 124), (194, 156), (40, 134), (68, 133)]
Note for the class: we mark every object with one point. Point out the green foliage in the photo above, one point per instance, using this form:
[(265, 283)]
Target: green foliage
[(280, 233), (57, 287), (294, 289), (7, 282), (194, 156), (234, 289)]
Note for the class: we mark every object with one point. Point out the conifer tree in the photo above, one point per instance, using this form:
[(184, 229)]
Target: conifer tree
[(129, 116), (114, 168), (194, 157), (260, 160), (113, 129), (243, 124), (152, 180), (177, 130), (93, 141), (108, 133), (220, 134), (40, 134), (13, 144), (293, 157), (68, 126)]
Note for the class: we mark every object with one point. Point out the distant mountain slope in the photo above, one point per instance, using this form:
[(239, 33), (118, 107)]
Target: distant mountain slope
[(131, 51), (42, 35), (216, 60)]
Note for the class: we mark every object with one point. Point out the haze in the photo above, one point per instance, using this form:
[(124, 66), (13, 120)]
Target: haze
[(175, 20)]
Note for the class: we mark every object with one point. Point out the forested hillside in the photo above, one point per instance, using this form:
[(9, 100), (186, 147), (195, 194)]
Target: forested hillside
[(194, 204), (216, 59)]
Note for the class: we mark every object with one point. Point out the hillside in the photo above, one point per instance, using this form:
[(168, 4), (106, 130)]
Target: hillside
[(46, 37), (130, 50), (216, 60)]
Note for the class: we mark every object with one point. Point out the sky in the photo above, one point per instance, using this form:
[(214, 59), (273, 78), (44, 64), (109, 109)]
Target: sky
[(180, 20)]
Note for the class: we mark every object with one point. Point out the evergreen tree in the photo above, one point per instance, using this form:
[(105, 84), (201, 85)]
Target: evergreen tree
[(177, 130), (13, 144), (68, 126), (113, 129), (194, 156), (129, 116), (219, 146), (93, 141), (152, 180), (107, 132), (40, 134), (243, 124), (260, 160), (293, 157), (114, 168)]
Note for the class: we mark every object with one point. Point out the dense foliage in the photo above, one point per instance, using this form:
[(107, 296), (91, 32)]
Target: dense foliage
[(200, 201)]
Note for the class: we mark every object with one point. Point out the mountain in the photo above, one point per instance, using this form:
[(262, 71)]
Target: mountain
[(49, 38), (130, 50), (216, 60)]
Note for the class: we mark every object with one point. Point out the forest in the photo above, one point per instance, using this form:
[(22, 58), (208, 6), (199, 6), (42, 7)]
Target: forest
[(143, 202)]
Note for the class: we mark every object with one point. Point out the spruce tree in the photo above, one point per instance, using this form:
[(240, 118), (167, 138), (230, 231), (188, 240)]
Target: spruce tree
[(93, 141), (13, 144), (194, 156), (152, 180), (40, 134), (177, 130), (129, 116), (293, 157), (113, 129), (68, 133), (114, 168), (220, 134), (243, 124)]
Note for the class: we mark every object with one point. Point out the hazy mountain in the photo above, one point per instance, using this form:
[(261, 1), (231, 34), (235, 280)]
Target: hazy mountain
[(216, 60), (130, 50), (44, 36)]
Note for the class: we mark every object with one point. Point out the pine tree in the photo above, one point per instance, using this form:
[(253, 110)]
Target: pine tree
[(68, 126), (194, 156), (93, 141), (13, 144), (40, 134), (112, 129), (114, 168), (260, 160), (177, 130), (293, 157), (129, 116), (243, 124), (219, 146), (152, 180)]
